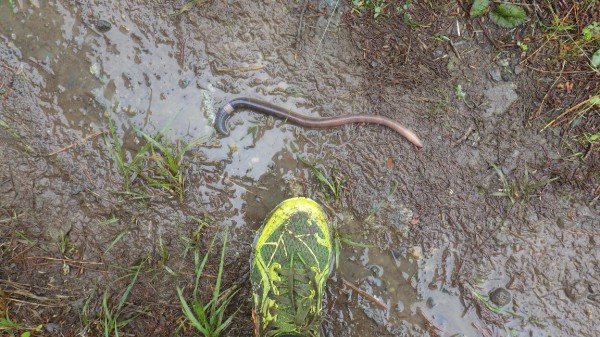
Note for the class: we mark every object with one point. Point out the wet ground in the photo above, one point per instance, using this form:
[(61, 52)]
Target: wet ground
[(439, 241)]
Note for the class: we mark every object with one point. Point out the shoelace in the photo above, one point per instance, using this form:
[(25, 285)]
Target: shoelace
[(297, 311)]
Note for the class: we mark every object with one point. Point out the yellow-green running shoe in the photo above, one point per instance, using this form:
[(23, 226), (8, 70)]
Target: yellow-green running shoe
[(291, 261)]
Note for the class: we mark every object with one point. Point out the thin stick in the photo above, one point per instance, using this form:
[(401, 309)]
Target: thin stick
[(539, 110), (431, 322), (77, 143), (483, 332), (365, 294), (62, 260), (300, 29), (248, 68), (324, 32)]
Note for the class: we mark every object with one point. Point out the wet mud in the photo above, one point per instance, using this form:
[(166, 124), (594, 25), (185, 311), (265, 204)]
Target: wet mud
[(437, 242)]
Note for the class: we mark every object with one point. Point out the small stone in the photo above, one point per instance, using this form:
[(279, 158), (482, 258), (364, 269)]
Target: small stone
[(496, 75), (564, 223), (431, 302), (400, 306), (576, 291), (103, 26), (415, 253), (519, 69), (507, 76), (502, 62), (377, 270), (52, 328), (500, 296)]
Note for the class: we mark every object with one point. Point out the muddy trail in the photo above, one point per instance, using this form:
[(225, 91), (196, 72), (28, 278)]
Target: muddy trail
[(485, 231)]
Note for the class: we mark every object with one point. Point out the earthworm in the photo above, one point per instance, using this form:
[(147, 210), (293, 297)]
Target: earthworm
[(272, 110)]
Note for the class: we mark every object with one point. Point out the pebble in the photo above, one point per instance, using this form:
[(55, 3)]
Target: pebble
[(502, 62), (500, 296), (103, 26), (496, 75), (519, 69), (576, 291), (507, 75), (416, 253), (431, 302)]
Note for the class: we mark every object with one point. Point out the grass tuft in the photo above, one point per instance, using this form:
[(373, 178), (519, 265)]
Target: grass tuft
[(209, 318), (331, 187), (156, 165), (518, 191), (109, 320)]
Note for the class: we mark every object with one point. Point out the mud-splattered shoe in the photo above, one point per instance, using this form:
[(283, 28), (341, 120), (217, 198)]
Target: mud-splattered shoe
[(292, 259)]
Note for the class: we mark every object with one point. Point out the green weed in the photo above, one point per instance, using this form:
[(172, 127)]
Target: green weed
[(504, 15), (117, 239), (332, 188), (403, 10), (10, 328), (518, 191), (190, 243), (339, 239), (209, 318), (109, 320), (66, 248), (377, 206), (109, 221), (377, 7), (155, 165), (163, 252), (188, 6)]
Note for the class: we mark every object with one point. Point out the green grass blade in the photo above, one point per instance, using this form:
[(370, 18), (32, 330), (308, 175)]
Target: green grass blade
[(117, 239), (129, 287), (217, 289), (189, 314)]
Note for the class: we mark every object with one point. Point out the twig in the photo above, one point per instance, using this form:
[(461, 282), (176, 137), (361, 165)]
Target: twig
[(483, 332), (77, 143), (365, 294), (248, 68), (539, 110), (324, 32), (431, 322), (62, 260), (300, 29)]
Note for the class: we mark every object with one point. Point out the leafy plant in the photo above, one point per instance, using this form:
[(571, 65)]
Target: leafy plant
[(508, 15), (209, 318), (518, 191), (504, 15), (479, 8), (590, 32), (595, 59), (406, 16), (377, 7)]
